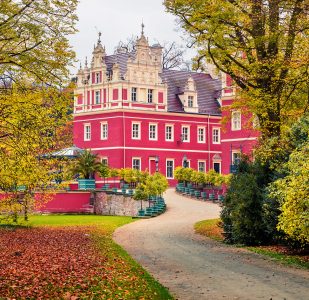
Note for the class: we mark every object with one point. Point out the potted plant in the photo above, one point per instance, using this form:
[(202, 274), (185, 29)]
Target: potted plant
[(211, 178), (86, 166)]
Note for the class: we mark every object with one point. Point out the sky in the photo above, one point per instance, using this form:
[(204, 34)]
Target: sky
[(119, 20)]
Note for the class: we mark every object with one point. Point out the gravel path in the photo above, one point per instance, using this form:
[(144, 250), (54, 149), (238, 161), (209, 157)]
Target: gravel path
[(195, 267)]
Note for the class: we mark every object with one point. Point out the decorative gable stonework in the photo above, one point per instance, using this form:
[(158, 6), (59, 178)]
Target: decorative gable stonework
[(133, 76)]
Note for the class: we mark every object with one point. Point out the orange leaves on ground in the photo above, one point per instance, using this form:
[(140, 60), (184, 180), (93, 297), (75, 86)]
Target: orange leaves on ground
[(48, 263)]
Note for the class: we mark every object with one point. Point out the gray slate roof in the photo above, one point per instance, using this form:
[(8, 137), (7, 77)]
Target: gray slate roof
[(208, 89)]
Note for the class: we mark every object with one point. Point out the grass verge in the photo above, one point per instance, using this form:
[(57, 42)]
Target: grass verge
[(79, 253), (211, 229)]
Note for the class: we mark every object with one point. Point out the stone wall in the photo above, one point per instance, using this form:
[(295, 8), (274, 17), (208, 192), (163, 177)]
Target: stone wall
[(116, 205)]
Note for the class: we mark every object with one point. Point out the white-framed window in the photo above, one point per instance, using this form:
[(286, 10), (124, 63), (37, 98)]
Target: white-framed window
[(190, 101), (153, 132), (136, 131), (150, 96), (97, 97), (136, 163), (186, 163), (236, 155), (236, 120), (170, 168), (201, 165), (169, 133), (201, 135), (216, 136), (87, 132), (217, 167), (104, 131), (134, 94), (185, 131), (97, 77), (104, 161)]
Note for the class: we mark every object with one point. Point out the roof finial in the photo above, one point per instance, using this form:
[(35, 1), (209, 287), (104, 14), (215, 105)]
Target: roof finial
[(143, 26), (86, 62), (80, 65), (99, 40)]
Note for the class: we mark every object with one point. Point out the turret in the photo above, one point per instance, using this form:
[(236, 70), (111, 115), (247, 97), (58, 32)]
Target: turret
[(98, 55), (142, 48)]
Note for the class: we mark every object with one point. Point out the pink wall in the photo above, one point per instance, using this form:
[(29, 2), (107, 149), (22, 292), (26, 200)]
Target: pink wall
[(242, 140), (119, 134), (67, 202)]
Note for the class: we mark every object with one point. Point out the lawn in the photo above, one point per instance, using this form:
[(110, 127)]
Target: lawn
[(71, 257), (213, 230)]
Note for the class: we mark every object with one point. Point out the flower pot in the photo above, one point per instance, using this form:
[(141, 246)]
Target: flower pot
[(86, 184)]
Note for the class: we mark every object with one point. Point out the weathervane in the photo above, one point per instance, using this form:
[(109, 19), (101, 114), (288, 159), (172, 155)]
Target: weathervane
[(143, 26), (99, 40)]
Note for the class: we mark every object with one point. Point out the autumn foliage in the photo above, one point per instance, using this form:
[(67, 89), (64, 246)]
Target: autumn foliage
[(68, 263)]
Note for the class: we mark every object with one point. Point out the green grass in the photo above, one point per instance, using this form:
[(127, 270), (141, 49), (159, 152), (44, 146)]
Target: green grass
[(283, 258), (109, 222), (129, 279), (211, 229)]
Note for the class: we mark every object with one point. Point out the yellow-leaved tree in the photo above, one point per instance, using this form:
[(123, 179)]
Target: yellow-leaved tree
[(262, 45), (34, 108)]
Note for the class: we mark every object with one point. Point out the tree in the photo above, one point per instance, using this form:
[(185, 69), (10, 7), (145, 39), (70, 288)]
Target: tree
[(104, 171), (86, 165), (154, 185), (34, 45), (262, 45), (172, 55), (293, 194), (28, 122), (34, 108)]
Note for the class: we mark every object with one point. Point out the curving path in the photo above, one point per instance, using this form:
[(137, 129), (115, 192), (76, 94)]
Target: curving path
[(195, 267)]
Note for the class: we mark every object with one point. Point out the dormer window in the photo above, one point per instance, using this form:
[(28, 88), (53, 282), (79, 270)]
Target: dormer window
[(190, 101)]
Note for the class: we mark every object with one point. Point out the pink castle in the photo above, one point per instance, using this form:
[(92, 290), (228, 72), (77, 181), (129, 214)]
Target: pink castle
[(134, 114)]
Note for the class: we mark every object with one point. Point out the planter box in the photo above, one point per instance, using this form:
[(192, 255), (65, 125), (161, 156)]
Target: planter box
[(86, 184)]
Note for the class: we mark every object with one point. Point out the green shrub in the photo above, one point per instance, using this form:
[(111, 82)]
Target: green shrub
[(249, 216)]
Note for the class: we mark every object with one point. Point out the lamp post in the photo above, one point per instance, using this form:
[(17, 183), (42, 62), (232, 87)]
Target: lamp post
[(157, 163)]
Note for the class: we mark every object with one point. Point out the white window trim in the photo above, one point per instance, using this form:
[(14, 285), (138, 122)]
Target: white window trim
[(148, 94), (85, 132), (173, 160), (235, 151), (172, 137), (219, 135), (201, 161), (188, 163), (204, 135), (95, 97), (140, 162), (233, 127), (139, 131), (186, 126), (190, 97), (217, 162), (136, 94), (105, 158), (104, 123), (156, 132)]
